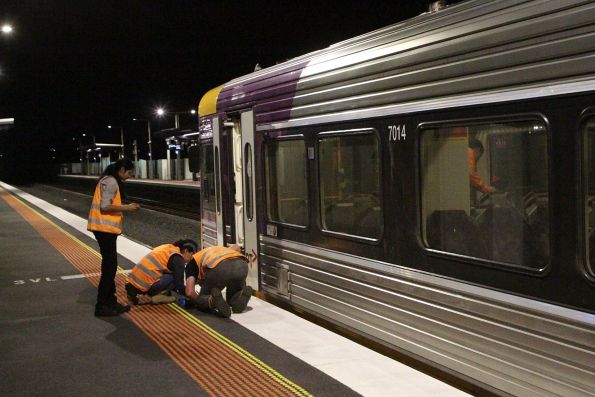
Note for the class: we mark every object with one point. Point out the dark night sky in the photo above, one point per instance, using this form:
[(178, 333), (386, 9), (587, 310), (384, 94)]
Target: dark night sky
[(76, 66)]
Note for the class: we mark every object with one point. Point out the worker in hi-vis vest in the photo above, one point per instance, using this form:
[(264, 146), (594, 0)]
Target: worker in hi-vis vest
[(160, 272), (474, 153), (214, 269), (105, 221)]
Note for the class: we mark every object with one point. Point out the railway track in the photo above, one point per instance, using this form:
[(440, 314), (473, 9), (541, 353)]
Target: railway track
[(176, 200)]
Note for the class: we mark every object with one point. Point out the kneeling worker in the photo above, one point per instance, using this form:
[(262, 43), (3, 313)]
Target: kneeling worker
[(161, 271), (214, 269)]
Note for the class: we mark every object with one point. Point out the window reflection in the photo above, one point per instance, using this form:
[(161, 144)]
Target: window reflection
[(350, 184), (485, 191), (286, 182)]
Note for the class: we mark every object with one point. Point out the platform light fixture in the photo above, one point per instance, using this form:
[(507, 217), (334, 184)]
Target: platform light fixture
[(7, 28), (121, 138)]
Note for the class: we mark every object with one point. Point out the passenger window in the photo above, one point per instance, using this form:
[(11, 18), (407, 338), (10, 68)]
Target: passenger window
[(590, 191), (485, 191), (350, 184), (207, 170), (248, 180), (286, 181)]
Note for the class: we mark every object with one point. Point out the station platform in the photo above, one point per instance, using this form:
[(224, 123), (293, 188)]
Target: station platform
[(51, 343)]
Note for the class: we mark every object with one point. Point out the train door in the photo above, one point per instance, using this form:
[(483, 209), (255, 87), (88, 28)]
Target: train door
[(233, 143), (249, 199), (208, 222), (221, 156)]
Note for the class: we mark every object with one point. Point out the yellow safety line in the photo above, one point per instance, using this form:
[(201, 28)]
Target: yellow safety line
[(249, 357), (239, 350), (121, 270), (58, 227)]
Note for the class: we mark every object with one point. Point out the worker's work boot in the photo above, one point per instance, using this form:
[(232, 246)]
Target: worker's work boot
[(163, 297), (105, 311), (218, 304), (240, 299), (131, 293), (120, 308)]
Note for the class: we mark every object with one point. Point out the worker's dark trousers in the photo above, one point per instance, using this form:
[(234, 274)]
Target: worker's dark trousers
[(106, 292), (230, 274)]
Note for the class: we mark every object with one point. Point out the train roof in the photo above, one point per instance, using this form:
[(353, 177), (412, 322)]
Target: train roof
[(478, 46)]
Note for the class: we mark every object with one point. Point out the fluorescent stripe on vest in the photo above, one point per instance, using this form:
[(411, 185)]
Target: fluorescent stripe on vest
[(213, 256), (152, 267), (102, 221)]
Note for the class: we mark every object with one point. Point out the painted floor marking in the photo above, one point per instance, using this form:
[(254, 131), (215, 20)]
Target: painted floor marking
[(189, 342)]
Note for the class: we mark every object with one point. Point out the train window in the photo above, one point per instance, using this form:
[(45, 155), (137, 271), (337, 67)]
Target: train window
[(248, 180), (485, 191), (590, 191), (349, 167), (217, 181), (286, 181), (207, 172)]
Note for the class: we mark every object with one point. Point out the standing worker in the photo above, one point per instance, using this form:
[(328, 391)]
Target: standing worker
[(160, 272), (474, 153), (214, 269), (105, 221)]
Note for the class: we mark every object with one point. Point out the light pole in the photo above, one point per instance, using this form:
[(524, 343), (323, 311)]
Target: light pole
[(161, 112), (7, 29), (83, 171), (148, 135), (149, 161), (121, 138)]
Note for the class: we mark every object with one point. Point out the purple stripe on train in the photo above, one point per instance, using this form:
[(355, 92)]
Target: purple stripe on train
[(273, 92)]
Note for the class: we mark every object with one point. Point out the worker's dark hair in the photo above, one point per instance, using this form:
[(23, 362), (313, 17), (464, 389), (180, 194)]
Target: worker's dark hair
[(113, 168), (187, 244), (476, 144)]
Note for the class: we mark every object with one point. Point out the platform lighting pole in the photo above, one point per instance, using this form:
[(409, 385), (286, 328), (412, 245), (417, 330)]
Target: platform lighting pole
[(135, 153), (148, 135), (149, 165), (7, 29), (161, 112), (121, 138), (81, 151)]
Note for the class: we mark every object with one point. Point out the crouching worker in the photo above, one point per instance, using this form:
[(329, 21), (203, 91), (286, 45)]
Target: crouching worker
[(214, 269), (160, 272)]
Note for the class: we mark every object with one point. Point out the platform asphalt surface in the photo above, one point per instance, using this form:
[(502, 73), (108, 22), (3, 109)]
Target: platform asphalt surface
[(51, 344)]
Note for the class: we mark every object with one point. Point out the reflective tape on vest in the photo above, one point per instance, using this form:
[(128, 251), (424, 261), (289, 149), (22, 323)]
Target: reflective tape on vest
[(102, 221)]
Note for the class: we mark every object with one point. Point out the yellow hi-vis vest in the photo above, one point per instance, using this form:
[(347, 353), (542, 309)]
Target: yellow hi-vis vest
[(152, 266), (102, 221), (212, 256)]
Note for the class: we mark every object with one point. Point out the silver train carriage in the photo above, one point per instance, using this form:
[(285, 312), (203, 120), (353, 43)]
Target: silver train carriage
[(429, 185)]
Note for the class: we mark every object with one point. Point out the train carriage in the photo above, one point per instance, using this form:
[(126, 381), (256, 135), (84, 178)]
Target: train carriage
[(429, 185)]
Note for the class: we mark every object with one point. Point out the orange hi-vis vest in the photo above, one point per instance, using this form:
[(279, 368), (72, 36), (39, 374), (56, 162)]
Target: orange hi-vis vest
[(474, 178), (152, 266), (212, 256), (102, 221)]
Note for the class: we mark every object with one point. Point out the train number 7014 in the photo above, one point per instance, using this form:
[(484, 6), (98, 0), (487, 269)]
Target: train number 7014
[(396, 132)]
